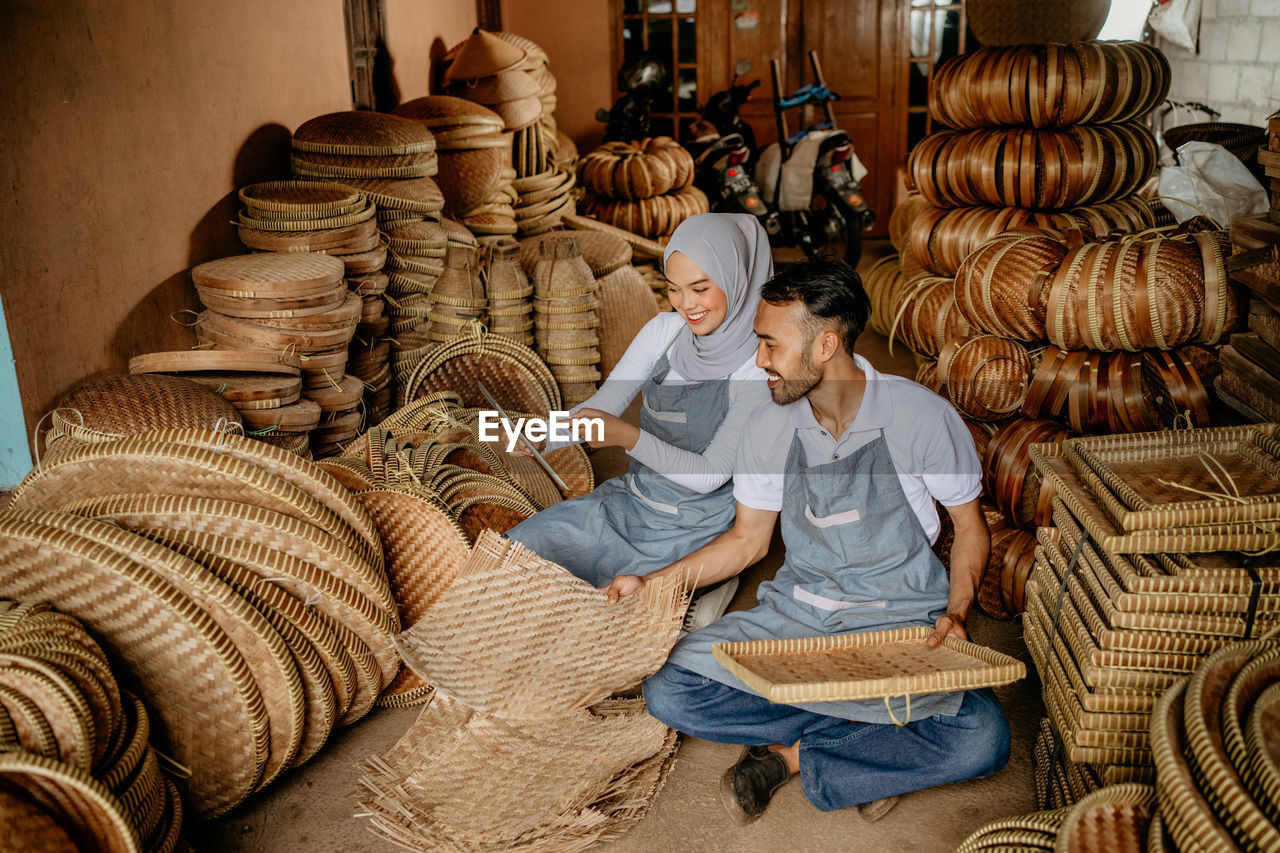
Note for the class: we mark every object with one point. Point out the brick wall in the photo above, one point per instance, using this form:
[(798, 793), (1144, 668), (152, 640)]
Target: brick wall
[(1237, 71)]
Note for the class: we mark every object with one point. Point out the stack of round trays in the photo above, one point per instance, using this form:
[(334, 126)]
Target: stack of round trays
[(77, 750), (240, 588), (307, 216)]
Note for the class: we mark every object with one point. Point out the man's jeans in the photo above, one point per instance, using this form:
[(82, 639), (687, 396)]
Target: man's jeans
[(842, 763)]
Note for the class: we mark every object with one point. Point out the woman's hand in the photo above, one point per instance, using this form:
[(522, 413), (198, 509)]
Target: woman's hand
[(622, 586), (617, 432)]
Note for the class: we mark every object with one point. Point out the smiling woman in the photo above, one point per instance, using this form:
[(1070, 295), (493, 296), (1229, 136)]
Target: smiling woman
[(695, 371)]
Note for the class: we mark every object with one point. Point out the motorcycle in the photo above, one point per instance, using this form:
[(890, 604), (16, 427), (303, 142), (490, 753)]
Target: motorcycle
[(639, 81), (722, 149), (813, 177)]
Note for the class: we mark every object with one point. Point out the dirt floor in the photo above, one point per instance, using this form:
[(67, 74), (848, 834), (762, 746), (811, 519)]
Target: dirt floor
[(312, 810)]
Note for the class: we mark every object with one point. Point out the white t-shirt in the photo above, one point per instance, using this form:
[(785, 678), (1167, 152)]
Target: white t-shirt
[(929, 444), (704, 472)]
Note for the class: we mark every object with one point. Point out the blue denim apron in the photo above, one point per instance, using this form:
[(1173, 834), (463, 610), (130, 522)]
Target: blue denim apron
[(641, 522), (857, 560)]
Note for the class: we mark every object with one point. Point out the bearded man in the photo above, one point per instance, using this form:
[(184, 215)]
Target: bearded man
[(853, 460)]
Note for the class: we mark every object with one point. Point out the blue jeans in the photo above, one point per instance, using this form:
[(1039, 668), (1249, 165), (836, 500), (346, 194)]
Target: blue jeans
[(842, 763)]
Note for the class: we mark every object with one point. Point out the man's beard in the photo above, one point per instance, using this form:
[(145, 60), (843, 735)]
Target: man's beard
[(806, 379)]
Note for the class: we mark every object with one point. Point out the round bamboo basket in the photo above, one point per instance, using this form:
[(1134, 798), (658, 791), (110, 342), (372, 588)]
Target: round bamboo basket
[(1049, 85), (1000, 287), (884, 283), (1006, 22), (1093, 392), (1024, 167), (986, 376)]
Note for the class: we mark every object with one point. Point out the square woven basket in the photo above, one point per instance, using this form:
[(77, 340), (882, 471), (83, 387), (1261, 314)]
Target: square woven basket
[(869, 665)]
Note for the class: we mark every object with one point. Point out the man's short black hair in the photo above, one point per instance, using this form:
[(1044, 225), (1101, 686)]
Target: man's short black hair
[(830, 290)]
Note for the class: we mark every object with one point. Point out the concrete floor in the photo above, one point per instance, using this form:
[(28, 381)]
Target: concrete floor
[(311, 809)]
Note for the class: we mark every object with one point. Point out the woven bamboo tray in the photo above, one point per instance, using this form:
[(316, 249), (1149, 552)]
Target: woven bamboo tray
[(268, 275), (871, 665), (199, 361), (1068, 488), (1157, 480)]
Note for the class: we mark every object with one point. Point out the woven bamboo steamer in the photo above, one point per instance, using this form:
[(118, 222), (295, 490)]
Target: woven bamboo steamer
[(350, 620), (212, 717), (262, 648), (603, 253), (986, 376), (103, 410), (268, 275), (1042, 169), (1001, 286), (1049, 85), (561, 269), (51, 806), (1215, 775)]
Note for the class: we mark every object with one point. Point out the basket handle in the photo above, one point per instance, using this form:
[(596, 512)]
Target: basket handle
[(893, 717)]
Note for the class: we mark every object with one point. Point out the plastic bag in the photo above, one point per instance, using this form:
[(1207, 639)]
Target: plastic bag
[(1178, 21), (1211, 180)]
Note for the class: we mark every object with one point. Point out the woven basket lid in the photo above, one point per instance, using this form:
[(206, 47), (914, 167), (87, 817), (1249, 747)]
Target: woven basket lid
[(270, 274), (314, 197), (626, 305), (442, 112), (122, 405), (414, 194), (264, 652), (470, 178), (425, 238), (482, 55), (362, 133), (497, 88), (211, 716)]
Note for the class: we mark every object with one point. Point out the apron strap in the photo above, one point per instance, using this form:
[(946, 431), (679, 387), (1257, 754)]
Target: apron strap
[(893, 717)]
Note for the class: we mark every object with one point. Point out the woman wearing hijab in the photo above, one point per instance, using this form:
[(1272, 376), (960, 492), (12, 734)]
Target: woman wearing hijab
[(695, 369)]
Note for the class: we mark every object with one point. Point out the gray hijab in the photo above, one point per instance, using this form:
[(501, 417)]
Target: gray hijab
[(733, 250)]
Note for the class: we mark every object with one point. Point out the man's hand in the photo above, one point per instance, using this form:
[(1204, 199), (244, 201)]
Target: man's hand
[(949, 625), (622, 586)]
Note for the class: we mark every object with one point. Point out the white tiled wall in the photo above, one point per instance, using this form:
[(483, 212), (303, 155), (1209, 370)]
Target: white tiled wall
[(1237, 71)]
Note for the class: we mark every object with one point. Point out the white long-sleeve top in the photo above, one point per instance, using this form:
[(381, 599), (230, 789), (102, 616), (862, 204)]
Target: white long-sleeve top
[(701, 472)]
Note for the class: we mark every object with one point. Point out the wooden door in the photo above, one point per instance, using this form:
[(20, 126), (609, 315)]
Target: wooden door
[(858, 43)]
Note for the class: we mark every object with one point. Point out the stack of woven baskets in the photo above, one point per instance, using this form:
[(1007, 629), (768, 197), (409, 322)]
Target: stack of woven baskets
[(644, 186), (522, 747), (77, 767), (475, 162), (565, 317), (296, 304), (626, 300), (509, 292), (240, 588), (369, 354), (1142, 577), (495, 72), (1250, 380)]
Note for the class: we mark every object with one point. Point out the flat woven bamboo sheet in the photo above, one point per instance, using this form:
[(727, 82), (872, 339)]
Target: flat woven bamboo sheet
[(462, 780), (869, 665), (517, 636)]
